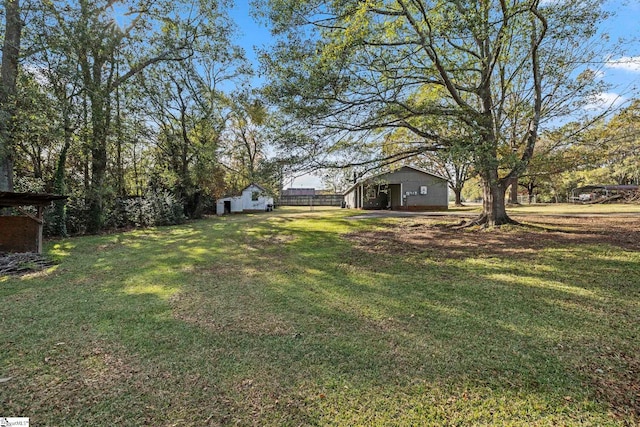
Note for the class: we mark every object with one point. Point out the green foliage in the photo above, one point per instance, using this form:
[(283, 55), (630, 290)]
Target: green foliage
[(25, 184), (116, 97), (245, 146), (597, 152), (154, 208)]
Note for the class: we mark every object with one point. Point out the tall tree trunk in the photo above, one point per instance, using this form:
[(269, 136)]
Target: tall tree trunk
[(458, 195), (513, 193), (96, 219), (100, 121), (493, 204), (9, 71), (120, 186), (530, 191), (60, 185)]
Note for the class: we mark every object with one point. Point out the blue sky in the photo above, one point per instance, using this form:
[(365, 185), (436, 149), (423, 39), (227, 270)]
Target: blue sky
[(621, 70), (252, 33)]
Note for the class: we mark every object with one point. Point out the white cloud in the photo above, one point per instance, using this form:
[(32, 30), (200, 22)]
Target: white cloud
[(627, 63), (604, 101)]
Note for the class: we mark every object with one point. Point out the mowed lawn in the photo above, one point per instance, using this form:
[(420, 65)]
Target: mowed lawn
[(296, 318)]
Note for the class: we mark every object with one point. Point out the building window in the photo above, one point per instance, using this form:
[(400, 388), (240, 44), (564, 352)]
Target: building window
[(255, 195)]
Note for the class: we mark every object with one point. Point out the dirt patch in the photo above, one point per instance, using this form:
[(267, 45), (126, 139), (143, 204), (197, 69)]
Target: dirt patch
[(412, 235)]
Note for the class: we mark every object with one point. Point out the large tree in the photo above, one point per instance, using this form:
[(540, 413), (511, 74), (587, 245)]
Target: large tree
[(8, 79), (189, 104), (244, 150), (354, 70)]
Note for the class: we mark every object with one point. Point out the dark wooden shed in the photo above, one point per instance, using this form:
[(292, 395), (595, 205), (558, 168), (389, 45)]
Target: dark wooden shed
[(23, 233)]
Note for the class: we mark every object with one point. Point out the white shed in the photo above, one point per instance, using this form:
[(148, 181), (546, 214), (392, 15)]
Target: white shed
[(254, 198), (229, 205)]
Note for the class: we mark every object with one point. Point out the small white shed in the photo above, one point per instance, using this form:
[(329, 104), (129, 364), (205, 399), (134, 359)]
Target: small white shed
[(254, 198), (229, 205)]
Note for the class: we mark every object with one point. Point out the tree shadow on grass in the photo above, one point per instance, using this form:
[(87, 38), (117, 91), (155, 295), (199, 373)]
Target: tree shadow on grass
[(280, 326), (579, 294), (363, 319)]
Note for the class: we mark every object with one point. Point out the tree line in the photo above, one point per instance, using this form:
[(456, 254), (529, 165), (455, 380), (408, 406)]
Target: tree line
[(141, 111)]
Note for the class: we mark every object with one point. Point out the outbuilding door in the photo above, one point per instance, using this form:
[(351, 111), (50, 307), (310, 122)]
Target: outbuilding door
[(395, 194)]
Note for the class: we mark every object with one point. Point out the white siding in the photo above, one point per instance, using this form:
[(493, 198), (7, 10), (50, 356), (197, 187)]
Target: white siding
[(236, 204), (244, 202), (220, 207), (350, 199), (255, 205)]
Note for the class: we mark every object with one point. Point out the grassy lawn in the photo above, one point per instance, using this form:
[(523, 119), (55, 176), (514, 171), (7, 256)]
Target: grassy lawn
[(311, 318)]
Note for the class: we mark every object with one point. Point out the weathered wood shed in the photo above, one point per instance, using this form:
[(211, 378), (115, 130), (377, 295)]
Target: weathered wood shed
[(23, 233), (407, 188)]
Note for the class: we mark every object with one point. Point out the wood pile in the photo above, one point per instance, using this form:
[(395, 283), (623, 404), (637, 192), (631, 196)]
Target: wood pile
[(621, 197), (22, 263), (633, 197)]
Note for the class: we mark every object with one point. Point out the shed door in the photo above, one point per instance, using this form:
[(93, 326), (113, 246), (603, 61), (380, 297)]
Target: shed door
[(395, 194)]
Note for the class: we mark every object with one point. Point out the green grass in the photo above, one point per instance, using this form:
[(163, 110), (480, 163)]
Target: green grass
[(284, 319)]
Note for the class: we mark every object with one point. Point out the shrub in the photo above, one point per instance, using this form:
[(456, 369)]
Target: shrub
[(154, 208)]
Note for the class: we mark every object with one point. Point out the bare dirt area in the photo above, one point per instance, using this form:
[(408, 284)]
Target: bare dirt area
[(536, 232)]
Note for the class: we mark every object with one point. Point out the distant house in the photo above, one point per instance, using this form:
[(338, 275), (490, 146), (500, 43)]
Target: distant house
[(407, 188), (253, 198)]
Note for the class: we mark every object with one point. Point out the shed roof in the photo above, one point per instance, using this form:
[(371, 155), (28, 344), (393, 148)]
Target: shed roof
[(9, 199), (389, 172), (255, 185)]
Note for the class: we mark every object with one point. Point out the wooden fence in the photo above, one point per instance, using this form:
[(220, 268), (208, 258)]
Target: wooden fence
[(317, 200)]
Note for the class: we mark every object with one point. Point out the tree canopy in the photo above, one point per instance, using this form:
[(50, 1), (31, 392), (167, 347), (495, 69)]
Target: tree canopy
[(115, 102)]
